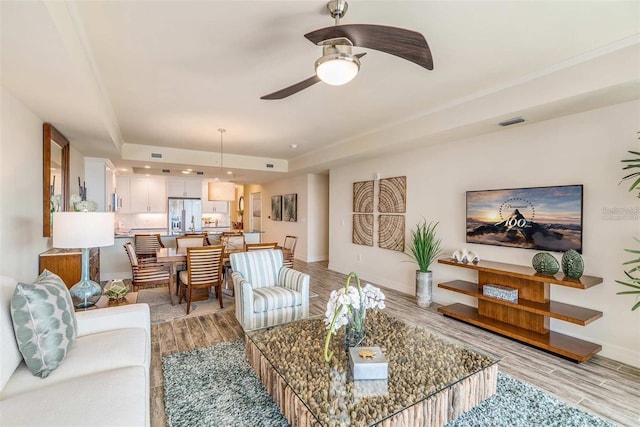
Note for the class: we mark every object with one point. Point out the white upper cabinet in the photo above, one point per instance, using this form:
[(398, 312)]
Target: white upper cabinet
[(178, 187), (124, 196), (148, 194), (99, 177)]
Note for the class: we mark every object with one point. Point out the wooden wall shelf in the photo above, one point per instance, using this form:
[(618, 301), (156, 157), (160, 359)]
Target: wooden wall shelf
[(526, 320)]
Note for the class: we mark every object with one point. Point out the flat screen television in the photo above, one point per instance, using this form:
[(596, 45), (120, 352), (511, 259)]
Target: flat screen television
[(541, 218)]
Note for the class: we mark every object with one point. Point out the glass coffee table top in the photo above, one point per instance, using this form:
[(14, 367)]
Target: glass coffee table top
[(420, 364)]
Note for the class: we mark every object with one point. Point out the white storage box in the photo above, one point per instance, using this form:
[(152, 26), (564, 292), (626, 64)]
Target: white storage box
[(368, 363)]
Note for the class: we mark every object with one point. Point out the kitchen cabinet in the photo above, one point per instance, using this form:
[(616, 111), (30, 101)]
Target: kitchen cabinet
[(68, 264), (212, 206), (124, 195), (99, 178), (177, 187), (148, 194)]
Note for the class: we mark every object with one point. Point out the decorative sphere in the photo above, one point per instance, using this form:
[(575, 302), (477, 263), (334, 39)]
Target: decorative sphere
[(572, 264), (545, 263)]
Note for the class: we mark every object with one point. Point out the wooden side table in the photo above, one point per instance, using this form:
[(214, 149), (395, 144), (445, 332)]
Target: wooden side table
[(104, 302)]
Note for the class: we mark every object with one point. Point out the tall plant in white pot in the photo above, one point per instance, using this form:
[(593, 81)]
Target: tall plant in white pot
[(424, 248)]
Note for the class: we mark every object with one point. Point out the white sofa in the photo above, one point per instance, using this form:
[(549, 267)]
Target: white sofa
[(103, 381)]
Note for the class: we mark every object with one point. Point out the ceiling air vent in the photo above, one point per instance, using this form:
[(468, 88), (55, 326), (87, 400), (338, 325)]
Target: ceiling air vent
[(513, 121), (270, 165), (199, 173), (156, 155), (166, 170)]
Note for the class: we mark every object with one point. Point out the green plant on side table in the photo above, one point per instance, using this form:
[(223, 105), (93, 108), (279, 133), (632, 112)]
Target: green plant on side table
[(424, 248), (634, 279)]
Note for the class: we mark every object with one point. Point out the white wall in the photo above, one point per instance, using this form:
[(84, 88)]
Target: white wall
[(318, 218), (275, 231), (20, 190), (584, 148), (312, 227)]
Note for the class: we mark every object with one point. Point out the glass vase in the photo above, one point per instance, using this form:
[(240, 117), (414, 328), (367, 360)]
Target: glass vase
[(355, 328)]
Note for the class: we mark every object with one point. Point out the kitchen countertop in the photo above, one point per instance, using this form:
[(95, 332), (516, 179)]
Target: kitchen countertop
[(165, 233)]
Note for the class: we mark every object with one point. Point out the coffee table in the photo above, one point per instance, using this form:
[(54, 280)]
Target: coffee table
[(431, 380)]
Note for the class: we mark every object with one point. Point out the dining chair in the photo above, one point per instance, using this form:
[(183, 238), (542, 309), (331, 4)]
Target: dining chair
[(259, 246), (233, 241), (288, 250), (148, 273), (190, 240), (146, 245), (203, 271)]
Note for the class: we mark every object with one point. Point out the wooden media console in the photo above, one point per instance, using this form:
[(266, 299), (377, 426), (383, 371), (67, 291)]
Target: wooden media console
[(526, 320)]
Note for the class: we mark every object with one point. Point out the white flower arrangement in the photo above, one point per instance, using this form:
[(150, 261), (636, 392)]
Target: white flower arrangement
[(79, 205), (56, 202), (345, 301)]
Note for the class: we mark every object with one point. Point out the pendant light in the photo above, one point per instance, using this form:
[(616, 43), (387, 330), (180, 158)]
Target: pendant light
[(220, 190)]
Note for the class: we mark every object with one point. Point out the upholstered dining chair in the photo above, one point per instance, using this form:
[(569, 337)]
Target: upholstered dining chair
[(190, 241), (148, 273), (266, 292), (288, 250), (203, 271), (147, 245)]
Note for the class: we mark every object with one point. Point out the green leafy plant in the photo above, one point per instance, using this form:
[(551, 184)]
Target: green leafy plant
[(425, 246), (633, 164), (633, 278)]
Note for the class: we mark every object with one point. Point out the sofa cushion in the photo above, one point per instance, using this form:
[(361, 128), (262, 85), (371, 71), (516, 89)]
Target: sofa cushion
[(90, 354), (11, 357), (275, 297), (118, 397), (44, 322)]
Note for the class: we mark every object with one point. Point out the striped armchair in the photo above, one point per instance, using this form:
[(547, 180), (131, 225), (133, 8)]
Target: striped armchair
[(267, 293)]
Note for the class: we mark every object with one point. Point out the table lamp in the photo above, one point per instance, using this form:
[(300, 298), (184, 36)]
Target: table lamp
[(84, 230)]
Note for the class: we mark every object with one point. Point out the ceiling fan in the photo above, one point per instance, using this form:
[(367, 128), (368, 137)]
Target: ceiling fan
[(338, 65)]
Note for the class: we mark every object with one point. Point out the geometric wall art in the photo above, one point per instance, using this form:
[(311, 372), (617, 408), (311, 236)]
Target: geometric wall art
[(363, 197), (362, 233), (391, 232), (392, 195)]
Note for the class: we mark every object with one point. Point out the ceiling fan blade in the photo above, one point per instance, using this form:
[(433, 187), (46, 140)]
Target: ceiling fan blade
[(295, 88), (406, 44)]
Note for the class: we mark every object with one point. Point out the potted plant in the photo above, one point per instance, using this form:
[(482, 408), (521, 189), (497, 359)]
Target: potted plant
[(424, 248), (633, 280)]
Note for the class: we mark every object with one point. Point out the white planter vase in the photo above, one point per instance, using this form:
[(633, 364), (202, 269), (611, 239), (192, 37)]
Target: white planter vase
[(423, 288)]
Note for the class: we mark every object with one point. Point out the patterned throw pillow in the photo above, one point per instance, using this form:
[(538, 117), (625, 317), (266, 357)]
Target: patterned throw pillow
[(44, 322)]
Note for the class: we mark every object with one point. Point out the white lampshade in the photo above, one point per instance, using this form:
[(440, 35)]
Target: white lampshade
[(223, 191), (337, 70), (83, 229)]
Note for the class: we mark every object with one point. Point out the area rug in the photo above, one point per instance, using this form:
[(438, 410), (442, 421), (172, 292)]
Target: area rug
[(215, 386), (162, 311)]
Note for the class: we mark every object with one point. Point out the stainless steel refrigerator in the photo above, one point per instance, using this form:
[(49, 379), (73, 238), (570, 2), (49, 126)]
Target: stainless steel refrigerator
[(185, 215)]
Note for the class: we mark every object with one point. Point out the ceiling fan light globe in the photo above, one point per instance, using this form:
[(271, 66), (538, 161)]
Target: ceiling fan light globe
[(337, 69)]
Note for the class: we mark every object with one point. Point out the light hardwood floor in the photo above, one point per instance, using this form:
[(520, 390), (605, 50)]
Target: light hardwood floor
[(601, 386)]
